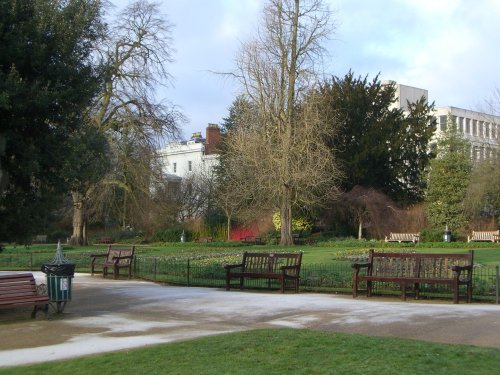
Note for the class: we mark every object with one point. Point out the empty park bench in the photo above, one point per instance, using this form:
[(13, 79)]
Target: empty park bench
[(277, 266), (488, 236), (114, 259), (413, 269), (19, 290), (105, 240), (41, 238), (206, 239), (251, 240), (403, 237)]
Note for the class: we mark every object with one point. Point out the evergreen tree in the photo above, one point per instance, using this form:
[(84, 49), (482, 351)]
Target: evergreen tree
[(449, 178), (47, 80), (378, 146)]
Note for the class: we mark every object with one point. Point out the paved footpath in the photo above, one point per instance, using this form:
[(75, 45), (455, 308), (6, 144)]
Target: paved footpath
[(107, 315)]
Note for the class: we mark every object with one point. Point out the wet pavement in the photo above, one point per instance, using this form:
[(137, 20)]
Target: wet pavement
[(108, 315)]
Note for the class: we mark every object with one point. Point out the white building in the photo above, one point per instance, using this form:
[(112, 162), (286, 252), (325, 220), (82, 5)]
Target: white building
[(480, 129), (197, 155)]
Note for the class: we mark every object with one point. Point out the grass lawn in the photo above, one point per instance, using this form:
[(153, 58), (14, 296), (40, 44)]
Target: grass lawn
[(321, 253), (284, 351)]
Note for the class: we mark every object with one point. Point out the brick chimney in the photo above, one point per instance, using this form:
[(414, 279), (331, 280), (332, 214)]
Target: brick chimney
[(213, 139)]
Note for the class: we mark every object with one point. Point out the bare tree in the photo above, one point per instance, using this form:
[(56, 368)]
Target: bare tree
[(369, 209), (282, 156), (135, 55)]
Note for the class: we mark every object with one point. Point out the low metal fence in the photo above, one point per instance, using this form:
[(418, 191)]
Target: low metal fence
[(335, 277)]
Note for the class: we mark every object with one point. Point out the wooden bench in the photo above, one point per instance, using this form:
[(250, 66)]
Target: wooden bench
[(105, 240), (414, 269), (115, 259), (403, 237), (277, 266), (206, 239), (19, 290), (251, 240), (489, 236), (41, 238)]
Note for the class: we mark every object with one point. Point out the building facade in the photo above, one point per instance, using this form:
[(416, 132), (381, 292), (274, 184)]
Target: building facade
[(480, 129), (197, 155)]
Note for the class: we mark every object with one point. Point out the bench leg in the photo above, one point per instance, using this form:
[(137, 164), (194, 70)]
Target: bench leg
[(228, 281), (417, 290), (455, 292), (369, 286), (469, 292), (402, 285), (354, 286), (116, 272)]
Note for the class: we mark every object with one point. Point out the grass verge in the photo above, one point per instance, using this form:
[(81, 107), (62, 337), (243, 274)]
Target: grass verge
[(284, 351)]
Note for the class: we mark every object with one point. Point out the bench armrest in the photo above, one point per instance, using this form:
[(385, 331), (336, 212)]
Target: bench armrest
[(98, 255), (117, 259), (358, 266), (227, 267), (461, 268), (288, 268), (458, 272)]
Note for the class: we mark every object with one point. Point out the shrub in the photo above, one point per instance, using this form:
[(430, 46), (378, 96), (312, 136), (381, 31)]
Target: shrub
[(299, 224), (172, 235)]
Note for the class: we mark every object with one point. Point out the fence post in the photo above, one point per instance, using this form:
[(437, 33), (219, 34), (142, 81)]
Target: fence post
[(188, 267), (497, 283), (154, 269)]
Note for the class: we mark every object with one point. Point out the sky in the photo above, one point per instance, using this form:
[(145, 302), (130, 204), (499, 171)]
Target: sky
[(449, 47)]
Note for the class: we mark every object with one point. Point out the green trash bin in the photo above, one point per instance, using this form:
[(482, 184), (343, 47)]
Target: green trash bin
[(59, 287), (60, 275)]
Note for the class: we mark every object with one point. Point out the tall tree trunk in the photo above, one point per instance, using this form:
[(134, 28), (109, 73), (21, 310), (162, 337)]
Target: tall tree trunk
[(360, 228), (286, 220), (79, 236), (228, 227)]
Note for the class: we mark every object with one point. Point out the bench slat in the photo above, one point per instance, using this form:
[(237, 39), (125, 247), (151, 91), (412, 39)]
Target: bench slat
[(19, 290)]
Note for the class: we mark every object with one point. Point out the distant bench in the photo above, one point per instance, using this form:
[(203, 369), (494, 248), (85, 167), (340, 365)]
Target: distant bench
[(278, 266), (414, 269), (206, 239), (251, 240), (19, 290), (114, 259), (403, 237), (105, 240), (41, 238), (489, 236)]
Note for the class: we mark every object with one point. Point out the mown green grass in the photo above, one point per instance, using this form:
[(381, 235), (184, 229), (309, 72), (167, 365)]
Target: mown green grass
[(284, 351), (321, 253)]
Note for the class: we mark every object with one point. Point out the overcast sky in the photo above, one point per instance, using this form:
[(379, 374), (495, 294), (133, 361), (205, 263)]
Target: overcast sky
[(449, 47)]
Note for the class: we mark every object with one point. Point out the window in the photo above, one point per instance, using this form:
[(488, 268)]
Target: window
[(487, 133), (481, 129), (461, 124), (190, 166), (175, 167), (442, 122), (474, 127), (467, 126)]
